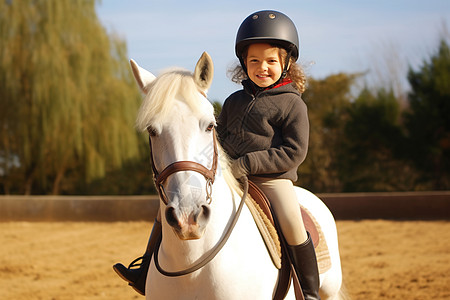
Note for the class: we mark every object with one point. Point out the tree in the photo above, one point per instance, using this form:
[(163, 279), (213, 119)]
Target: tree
[(327, 101), (427, 120), (68, 100), (371, 149)]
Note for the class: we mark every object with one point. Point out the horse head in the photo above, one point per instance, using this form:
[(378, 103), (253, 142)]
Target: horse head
[(180, 122)]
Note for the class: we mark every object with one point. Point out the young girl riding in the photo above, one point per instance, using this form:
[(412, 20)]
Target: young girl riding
[(264, 128)]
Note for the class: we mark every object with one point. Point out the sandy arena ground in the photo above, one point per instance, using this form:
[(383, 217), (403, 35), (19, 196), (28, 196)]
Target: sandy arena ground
[(381, 259)]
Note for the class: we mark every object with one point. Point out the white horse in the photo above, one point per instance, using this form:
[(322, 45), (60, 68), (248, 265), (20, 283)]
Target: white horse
[(198, 203)]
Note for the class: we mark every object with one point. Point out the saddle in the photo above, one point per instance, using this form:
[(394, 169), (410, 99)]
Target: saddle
[(269, 229)]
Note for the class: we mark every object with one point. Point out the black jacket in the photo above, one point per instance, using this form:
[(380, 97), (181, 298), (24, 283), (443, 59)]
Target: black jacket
[(269, 128)]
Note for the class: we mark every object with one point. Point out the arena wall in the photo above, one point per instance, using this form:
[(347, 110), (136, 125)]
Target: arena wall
[(351, 206)]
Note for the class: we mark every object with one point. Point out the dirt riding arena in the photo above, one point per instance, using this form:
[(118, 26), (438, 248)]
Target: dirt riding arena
[(62, 248), (72, 260)]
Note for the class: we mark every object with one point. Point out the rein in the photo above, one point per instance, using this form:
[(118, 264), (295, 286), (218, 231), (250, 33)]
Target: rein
[(214, 251), (209, 174)]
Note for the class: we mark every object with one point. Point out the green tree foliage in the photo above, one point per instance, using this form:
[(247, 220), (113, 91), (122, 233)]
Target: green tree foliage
[(369, 143), (68, 104), (327, 101), (428, 119), (68, 100), (217, 108), (372, 145)]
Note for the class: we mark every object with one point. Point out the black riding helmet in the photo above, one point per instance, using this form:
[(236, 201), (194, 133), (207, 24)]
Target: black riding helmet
[(268, 26)]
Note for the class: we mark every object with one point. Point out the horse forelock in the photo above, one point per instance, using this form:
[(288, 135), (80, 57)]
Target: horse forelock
[(172, 85)]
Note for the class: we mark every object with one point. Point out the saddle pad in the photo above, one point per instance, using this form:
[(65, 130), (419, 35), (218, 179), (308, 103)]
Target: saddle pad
[(259, 207), (322, 252), (267, 231)]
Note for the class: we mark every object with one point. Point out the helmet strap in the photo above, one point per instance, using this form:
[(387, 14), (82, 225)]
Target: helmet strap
[(285, 69), (244, 67), (286, 63)]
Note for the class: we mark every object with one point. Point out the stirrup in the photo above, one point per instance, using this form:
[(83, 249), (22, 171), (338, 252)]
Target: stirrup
[(132, 273), (134, 265)]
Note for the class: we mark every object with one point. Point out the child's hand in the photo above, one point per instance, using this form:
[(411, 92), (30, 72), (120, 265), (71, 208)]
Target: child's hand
[(238, 168)]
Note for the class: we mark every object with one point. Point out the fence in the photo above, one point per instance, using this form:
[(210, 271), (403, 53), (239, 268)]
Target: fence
[(351, 206)]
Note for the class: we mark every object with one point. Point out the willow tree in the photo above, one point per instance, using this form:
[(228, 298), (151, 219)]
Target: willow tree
[(67, 98)]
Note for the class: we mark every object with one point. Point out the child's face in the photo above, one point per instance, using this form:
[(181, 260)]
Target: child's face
[(263, 64)]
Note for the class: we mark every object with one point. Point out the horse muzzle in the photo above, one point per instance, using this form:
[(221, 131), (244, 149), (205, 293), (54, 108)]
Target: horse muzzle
[(188, 225)]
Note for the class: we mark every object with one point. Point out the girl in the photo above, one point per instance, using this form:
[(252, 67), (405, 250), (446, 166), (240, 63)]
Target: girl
[(264, 128)]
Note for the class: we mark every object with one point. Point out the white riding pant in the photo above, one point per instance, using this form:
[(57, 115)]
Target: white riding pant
[(283, 199)]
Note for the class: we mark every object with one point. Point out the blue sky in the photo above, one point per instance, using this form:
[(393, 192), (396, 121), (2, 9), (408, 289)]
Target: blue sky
[(335, 36)]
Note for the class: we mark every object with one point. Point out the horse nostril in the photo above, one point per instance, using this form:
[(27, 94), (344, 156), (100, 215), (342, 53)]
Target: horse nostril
[(172, 218), (206, 211), (204, 214)]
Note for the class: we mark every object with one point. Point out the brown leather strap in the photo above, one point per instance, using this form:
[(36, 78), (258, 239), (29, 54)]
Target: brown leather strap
[(184, 166), (179, 166), (260, 199)]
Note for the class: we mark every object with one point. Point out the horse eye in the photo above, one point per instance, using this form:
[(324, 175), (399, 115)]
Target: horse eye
[(210, 127), (151, 131)]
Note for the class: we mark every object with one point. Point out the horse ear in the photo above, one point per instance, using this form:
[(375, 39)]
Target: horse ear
[(204, 72), (142, 76)]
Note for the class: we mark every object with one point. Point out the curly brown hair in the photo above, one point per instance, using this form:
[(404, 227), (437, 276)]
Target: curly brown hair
[(295, 71)]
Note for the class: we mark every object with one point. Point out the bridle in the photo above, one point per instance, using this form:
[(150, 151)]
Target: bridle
[(179, 166), (209, 174)]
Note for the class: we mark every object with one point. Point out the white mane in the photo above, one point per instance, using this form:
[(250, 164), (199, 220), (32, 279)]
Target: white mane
[(174, 84)]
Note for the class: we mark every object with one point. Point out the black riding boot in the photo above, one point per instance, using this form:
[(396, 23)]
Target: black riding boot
[(304, 259), (136, 273)]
